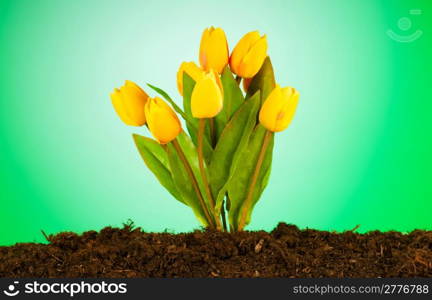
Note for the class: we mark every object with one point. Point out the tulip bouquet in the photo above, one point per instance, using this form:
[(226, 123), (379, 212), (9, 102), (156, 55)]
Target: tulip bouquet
[(222, 167)]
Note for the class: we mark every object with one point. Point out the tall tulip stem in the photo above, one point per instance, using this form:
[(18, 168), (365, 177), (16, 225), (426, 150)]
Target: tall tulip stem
[(201, 129), (212, 132), (223, 215), (194, 181), (248, 202)]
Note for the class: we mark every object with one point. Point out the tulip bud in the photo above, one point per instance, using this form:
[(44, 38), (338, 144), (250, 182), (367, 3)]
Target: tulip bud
[(195, 72), (278, 109), (249, 54), (162, 120), (207, 96), (214, 52), (129, 102)]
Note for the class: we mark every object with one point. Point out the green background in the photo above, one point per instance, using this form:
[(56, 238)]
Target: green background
[(357, 152)]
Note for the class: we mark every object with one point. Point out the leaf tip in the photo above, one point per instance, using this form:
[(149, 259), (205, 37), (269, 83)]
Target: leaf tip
[(136, 137)]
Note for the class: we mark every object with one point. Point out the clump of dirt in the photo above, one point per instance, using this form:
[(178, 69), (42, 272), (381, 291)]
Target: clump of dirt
[(285, 252)]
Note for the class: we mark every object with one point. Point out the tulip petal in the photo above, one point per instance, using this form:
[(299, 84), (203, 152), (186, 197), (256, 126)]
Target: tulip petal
[(254, 59), (242, 48), (192, 70), (117, 101), (162, 121), (136, 86), (218, 80), (287, 112), (206, 99), (203, 48), (217, 52), (134, 101), (214, 53), (191, 122), (271, 108), (278, 109)]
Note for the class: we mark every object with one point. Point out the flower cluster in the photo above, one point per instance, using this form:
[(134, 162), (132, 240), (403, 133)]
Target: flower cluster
[(222, 167)]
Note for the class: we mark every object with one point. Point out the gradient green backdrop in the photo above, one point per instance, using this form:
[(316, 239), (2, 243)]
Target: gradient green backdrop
[(357, 152)]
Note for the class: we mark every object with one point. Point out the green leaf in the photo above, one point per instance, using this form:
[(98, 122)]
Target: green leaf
[(156, 159), (263, 179), (182, 178), (233, 99), (170, 100), (192, 123), (263, 183), (263, 81), (239, 185), (188, 86), (230, 147), (191, 153)]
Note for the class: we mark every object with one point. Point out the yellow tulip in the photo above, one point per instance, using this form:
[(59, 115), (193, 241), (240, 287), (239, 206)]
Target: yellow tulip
[(129, 102), (249, 54), (192, 70), (278, 109), (162, 120), (207, 96), (214, 52)]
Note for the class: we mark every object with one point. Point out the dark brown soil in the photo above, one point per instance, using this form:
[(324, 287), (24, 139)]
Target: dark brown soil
[(285, 252)]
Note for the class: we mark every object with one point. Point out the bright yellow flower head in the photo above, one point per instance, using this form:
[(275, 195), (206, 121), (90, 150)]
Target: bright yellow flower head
[(192, 70), (249, 54), (207, 96), (214, 52), (129, 102), (162, 120), (278, 109)]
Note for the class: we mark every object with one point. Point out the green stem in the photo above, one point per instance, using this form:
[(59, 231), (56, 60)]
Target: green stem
[(223, 216), (238, 79), (201, 128), (212, 132), (248, 202), (194, 181)]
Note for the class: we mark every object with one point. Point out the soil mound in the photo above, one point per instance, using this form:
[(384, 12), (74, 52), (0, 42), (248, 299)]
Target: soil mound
[(285, 252)]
